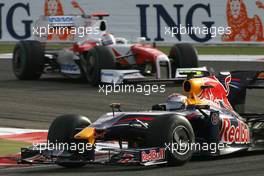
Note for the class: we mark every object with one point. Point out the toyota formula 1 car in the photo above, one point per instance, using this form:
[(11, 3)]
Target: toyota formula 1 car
[(171, 133), (95, 54)]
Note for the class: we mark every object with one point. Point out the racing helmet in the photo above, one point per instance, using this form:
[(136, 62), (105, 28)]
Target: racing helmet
[(176, 102), (108, 39)]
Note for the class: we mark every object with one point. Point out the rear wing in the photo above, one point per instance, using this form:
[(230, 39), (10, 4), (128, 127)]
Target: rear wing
[(240, 82), (100, 15), (258, 82), (249, 79)]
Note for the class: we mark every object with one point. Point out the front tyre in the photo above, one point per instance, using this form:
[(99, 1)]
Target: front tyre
[(62, 131), (183, 55), (28, 60), (175, 132)]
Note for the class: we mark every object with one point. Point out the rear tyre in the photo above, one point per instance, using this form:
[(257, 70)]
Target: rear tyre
[(183, 55), (63, 129), (176, 131), (28, 60), (98, 58)]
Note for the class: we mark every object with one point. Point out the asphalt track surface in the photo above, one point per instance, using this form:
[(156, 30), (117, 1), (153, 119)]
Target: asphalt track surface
[(34, 104)]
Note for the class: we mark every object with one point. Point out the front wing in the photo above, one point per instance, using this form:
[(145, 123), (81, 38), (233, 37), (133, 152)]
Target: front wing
[(142, 156)]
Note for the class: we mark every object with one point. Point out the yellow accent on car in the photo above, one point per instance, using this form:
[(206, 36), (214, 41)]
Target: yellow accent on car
[(193, 87), (193, 100), (87, 133)]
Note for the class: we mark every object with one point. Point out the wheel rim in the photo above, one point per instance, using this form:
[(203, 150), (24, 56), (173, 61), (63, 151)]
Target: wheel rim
[(181, 140)]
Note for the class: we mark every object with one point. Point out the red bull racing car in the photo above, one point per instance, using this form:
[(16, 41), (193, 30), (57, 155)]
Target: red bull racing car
[(208, 121)]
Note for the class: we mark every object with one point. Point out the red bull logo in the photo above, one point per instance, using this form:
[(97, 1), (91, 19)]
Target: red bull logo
[(153, 155), (234, 134)]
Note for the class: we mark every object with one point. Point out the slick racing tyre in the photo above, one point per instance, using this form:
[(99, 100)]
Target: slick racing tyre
[(98, 58), (183, 55), (62, 131), (175, 134), (28, 60)]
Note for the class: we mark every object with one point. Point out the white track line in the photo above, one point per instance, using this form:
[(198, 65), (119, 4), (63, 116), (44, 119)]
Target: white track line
[(6, 56), (219, 58), (10, 131), (28, 168), (232, 58)]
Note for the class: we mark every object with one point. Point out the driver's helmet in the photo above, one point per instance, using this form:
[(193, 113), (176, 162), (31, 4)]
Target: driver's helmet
[(108, 39), (176, 102)]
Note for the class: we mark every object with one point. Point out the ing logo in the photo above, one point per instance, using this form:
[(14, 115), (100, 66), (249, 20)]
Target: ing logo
[(53, 8), (243, 28)]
